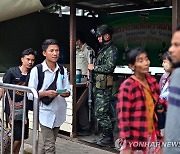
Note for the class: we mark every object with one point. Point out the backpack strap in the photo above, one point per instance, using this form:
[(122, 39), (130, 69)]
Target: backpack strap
[(55, 79), (61, 68), (40, 76)]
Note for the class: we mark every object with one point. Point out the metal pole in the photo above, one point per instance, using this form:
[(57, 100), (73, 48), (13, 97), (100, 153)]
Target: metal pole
[(90, 86), (25, 89), (35, 121), (175, 14), (12, 124), (2, 124), (23, 123)]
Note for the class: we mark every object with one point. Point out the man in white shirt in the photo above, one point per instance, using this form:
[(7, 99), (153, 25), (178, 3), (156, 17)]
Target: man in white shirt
[(53, 115), (83, 53)]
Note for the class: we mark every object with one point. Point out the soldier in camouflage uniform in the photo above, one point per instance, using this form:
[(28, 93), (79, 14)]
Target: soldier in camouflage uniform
[(103, 76)]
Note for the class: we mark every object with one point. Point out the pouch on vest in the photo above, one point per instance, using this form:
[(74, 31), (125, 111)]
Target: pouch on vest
[(101, 81), (109, 80)]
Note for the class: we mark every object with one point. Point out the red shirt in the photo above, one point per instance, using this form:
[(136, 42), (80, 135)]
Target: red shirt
[(132, 110)]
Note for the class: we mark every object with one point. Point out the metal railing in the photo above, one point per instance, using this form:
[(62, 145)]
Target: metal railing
[(26, 90)]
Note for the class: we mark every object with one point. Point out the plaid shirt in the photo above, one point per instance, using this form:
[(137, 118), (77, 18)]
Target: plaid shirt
[(132, 110)]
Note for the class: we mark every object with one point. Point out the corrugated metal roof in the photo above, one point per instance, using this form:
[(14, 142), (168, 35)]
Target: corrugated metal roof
[(109, 6)]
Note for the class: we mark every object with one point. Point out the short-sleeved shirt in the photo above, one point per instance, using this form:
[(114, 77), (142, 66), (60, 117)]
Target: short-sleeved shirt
[(83, 58), (14, 76), (54, 114)]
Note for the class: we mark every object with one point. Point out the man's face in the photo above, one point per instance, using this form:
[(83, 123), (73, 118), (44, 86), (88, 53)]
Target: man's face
[(28, 61), (52, 53), (100, 38), (174, 49), (78, 42), (106, 38)]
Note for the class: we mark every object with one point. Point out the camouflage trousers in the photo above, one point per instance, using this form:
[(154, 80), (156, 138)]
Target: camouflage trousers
[(102, 109)]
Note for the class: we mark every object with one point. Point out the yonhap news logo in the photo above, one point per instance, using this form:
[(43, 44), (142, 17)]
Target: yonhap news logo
[(121, 144)]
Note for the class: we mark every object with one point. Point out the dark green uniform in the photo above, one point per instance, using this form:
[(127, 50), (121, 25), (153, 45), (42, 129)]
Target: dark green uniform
[(103, 76)]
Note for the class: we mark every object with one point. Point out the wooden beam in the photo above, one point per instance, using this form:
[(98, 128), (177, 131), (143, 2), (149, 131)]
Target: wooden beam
[(175, 14), (73, 59), (82, 99), (136, 5)]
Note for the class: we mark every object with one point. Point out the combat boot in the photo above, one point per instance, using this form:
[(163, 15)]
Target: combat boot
[(106, 139)]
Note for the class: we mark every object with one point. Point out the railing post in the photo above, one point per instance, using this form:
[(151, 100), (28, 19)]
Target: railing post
[(24, 89)]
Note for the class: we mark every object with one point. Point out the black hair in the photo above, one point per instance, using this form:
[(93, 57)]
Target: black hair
[(28, 51), (166, 55), (132, 55), (178, 28), (80, 36), (48, 42)]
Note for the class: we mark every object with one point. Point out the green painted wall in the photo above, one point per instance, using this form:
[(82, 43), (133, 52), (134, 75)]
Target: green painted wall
[(131, 30), (148, 29)]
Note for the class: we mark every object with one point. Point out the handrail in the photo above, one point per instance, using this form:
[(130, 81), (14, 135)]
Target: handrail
[(26, 90)]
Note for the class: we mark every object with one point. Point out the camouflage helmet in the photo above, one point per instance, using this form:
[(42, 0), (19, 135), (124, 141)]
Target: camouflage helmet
[(104, 29)]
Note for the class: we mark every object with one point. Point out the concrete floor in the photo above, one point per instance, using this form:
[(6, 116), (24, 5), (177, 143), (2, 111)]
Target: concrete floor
[(70, 146)]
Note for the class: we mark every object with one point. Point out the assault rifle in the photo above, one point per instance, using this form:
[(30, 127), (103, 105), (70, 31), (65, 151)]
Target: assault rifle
[(90, 87)]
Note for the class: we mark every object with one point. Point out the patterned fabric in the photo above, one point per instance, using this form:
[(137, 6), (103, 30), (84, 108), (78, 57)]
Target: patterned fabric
[(6, 141), (164, 85), (106, 60), (18, 109), (163, 80), (105, 64), (102, 104), (154, 148), (14, 76), (132, 110)]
